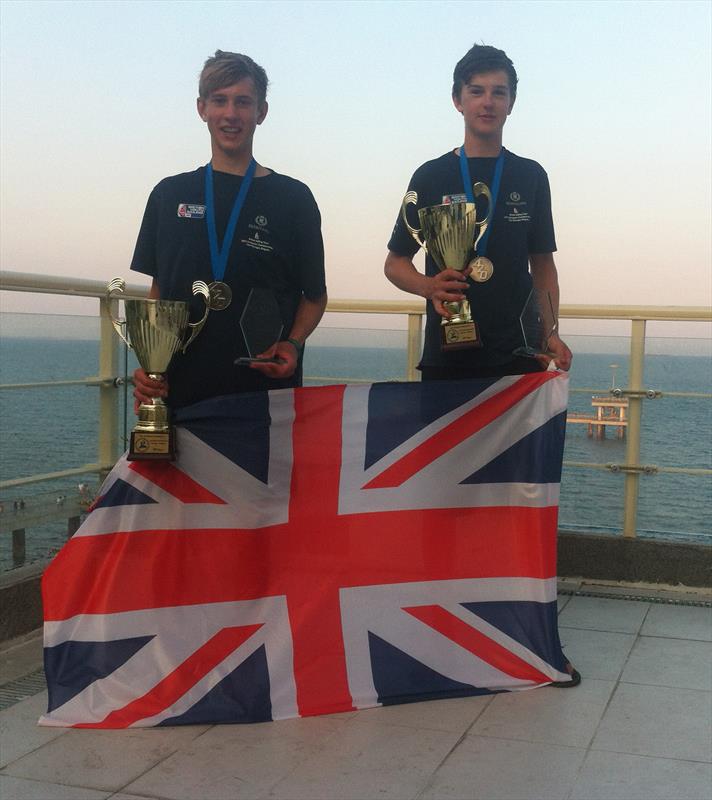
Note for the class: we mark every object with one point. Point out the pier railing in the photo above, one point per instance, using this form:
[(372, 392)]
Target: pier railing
[(108, 380)]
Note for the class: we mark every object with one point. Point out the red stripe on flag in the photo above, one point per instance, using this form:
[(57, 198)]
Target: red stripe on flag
[(117, 572), (453, 434), (172, 687), (477, 643), (175, 482), (314, 610)]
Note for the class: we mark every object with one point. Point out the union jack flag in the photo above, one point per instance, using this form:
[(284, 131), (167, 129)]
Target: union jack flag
[(317, 550)]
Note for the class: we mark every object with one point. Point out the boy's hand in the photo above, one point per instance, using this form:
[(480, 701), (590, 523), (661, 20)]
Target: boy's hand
[(145, 388)]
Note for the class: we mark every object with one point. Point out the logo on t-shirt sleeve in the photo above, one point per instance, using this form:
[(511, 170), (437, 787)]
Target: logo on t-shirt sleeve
[(454, 198), (191, 211)]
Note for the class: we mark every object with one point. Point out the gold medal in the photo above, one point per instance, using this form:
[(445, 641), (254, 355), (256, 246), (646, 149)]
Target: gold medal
[(482, 269), (220, 295)]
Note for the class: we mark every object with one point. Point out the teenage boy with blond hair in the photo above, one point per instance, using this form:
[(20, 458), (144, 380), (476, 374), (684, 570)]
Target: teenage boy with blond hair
[(238, 226)]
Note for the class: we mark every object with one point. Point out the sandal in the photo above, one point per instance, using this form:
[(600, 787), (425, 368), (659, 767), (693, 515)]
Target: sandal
[(575, 678)]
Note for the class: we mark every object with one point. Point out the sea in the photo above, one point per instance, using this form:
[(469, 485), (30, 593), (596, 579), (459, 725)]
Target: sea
[(51, 429)]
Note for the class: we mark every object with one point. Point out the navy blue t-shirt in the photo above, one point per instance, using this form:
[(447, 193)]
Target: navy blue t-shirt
[(277, 245), (522, 224)]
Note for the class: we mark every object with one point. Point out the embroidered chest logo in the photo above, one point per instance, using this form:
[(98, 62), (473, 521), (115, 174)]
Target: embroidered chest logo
[(259, 235), (191, 211), (516, 209)]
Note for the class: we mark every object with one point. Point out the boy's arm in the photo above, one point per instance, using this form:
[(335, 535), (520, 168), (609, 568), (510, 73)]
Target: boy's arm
[(153, 291), (308, 316), (449, 285), (146, 388)]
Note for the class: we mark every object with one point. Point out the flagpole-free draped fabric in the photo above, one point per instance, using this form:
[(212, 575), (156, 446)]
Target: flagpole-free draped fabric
[(317, 550)]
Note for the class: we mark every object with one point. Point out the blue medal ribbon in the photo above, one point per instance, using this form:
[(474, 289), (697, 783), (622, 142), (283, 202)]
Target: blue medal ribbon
[(219, 255), (467, 183)]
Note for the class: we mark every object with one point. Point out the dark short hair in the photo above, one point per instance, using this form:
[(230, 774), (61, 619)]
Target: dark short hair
[(224, 69), (479, 59)]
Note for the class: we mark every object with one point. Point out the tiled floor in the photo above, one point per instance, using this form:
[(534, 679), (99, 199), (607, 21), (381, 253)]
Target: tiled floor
[(639, 726)]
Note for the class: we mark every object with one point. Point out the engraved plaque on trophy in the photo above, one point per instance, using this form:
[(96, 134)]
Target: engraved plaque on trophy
[(155, 330)]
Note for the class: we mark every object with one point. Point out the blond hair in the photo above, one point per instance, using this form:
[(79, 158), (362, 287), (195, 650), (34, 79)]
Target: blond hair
[(224, 69)]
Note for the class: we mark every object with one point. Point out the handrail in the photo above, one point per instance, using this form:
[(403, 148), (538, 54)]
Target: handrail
[(85, 287), (85, 469), (56, 284), (566, 311), (414, 309), (650, 313)]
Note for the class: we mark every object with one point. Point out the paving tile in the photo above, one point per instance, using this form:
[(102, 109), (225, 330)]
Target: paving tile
[(561, 601), (599, 655), (602, 614), (679, 622), (21, 789), (456, 714), (670, 662), (495, 769), (550, 716), (625, 777), (230, 762), (19, 732), (20, 658), (368, 759), (124, 796), (101, 759), (657, 721)]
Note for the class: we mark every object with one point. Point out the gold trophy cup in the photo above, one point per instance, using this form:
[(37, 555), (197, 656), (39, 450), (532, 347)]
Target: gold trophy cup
[(155, 330), (448, 233)]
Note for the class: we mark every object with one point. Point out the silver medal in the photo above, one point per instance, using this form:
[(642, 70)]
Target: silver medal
[(220, 295), (482, 269)]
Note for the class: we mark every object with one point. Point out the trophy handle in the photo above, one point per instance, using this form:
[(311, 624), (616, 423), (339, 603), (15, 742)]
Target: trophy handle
[(199, 288), (411, 198), (116, 287), (478, 189)]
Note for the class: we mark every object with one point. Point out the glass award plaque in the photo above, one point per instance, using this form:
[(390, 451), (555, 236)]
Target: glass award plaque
[(261, 326), (538, 323)]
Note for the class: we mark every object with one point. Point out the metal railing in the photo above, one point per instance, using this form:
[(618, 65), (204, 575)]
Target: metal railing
[(636, 393)]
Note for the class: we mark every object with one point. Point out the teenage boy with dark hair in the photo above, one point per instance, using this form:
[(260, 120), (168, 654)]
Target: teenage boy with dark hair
[(520, 236), (237, 226)]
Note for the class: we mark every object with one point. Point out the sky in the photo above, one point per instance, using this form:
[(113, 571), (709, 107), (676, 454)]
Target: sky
[(98, 104)]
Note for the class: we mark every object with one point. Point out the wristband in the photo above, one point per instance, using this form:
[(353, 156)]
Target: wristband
[(298, 346)]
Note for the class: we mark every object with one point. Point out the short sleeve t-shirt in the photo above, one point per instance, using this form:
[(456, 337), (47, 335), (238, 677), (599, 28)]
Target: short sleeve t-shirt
[(277, 245), (521, 224)]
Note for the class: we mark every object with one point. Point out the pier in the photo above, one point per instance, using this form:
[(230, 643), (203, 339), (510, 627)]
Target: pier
[(18, 514), (609, 412)]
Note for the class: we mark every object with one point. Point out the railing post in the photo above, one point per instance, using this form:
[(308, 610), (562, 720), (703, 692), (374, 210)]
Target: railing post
[(635, 413), (415, 344), (19, 552), (108, 370)]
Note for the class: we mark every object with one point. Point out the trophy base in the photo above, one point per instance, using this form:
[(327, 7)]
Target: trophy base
[(459, 336), (155, 446)]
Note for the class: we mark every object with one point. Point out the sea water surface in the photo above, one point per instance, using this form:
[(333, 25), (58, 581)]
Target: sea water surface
[(51, 429)]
